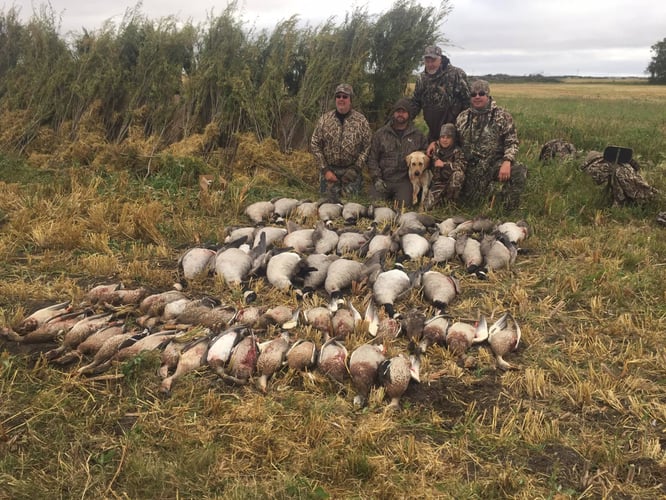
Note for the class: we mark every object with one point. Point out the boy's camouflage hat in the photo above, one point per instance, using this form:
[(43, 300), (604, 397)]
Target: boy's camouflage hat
[(448, 129)]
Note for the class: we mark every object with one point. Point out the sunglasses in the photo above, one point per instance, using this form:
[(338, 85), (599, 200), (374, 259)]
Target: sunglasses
[(341, 96), (480, 94)]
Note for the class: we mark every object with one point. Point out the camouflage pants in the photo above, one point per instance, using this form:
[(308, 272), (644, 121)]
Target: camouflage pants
[(482, 184), (624, 181), (445, 187), (350, 181)]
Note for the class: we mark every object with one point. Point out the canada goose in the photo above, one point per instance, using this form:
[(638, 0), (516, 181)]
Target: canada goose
[(382, 215), (306, 210), (192, 357), (39, 317), (325, 240), (516, 232), (352, 212), (329, 211), (235, 265), (332, 360), (240, 234), (283, 268), (363, 368), (447, 225), (440, 289), (318, 265), (395, 374), (414, 246), (340, 275), (302, 355), (284, 207), (460, 336), (498, 253), (299, 239), (389, 286), (351, 241), (469, 251), (443, 247), (260, 211), (480, 224), (271, 358), (415, 222), (196, 262), (504, 337), (273, 236), (384, 241)]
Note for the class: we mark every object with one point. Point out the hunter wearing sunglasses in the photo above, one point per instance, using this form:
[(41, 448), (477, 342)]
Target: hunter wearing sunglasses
[(488, 138), (340, 143)]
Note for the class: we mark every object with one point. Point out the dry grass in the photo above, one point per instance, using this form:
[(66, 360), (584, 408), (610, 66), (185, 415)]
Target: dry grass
[(583, 418)]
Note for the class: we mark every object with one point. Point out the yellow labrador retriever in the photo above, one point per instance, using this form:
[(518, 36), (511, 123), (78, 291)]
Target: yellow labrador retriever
[(420, 176)]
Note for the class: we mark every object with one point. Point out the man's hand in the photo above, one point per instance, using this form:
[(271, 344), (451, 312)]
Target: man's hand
[(431, 149), (505, 171), (330, 176)]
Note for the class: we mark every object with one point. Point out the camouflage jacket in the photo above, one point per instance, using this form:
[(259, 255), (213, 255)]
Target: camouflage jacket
[(344, 143), (441, 96), (454, 161), (488, 136), (388, 151)]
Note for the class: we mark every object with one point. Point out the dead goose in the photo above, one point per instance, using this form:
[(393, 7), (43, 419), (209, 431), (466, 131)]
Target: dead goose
[(460, 336), (352, 241), (447, 225), (328, 212), (245, 233), (283, 316), (440, 289), (299, 239), (220, 348), (385, 241), (273, 235), (283, 208), (516, 232), (363, 368), (469, 251), (498, 253), (284, 269), (343, 272), (236, 265), (352, 212), (382, 215), (306, 210), (260, 211), (443, 247), (197, 262), (479, 224), (169, 358), (153, 305), (192, 357), (271, 358), (389, 286), (317, 264), (414, 246), (302, 355), (504, 337), (325, 240), (243, 361), (41, 316), (395, 374), (332, 360), (415, 222)]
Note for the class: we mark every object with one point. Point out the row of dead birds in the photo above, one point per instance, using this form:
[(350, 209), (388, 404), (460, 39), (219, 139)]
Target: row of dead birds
[(194, 333), (293, 257)]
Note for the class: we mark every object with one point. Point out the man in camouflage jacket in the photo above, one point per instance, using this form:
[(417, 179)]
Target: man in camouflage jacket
[(490, 143), (441, 91), (386, 162), (340, 143)]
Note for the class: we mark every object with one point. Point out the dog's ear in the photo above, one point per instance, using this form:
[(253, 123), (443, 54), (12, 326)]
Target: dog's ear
[(408, 158), (426, 161)]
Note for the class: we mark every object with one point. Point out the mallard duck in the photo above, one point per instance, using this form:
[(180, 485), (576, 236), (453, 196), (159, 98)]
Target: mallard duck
[(221, 346), (192, 356), (332, 360), (504, 337), (77, 334), (413, 323), (461, 336), (243, 361), (302, 355), (41, 316), (380, 325), (153, 305), (395, 374), (344, 321), (105, 353), (321, 319), (272, 357), (363, 368), (434, 333)]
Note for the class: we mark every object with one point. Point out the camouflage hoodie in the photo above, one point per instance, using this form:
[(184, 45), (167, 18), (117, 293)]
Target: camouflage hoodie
[(341, 144), (441, 96), (388, 151)]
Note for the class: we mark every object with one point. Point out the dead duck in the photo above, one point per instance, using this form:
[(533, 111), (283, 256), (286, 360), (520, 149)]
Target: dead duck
[(114, 295), (325, 240), (271, 358), (260, 211), (394, 375), (363, 369), (104, 355), (344, 321), (153, 305), (504, 337), (77, 334), (41, 316), (434, 333), (461, 335), (332, 360), (413, 323), (320, 318), (169, 358), (48, 331), (243, 361), (221, 347), (91, 345), (440, 289), (143, 342), (192, 357), (283, 316), (302, 355), (380, 324)]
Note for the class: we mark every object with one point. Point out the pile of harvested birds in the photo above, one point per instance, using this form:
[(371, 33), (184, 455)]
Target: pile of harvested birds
[(320, 258)]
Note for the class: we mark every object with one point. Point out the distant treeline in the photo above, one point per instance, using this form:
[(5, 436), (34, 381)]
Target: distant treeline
[(171, 80)]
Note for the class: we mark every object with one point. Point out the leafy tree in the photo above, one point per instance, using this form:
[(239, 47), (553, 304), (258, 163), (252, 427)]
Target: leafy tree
[(657, 68)]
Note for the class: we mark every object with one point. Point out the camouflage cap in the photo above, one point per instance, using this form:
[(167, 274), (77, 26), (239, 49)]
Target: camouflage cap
[(402, 103), (448, 129), (344, 88), (480, 86), (432, 51)]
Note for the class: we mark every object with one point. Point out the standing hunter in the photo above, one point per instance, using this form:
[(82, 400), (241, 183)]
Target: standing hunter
[(441, 91), (340, 143), (489, 141)]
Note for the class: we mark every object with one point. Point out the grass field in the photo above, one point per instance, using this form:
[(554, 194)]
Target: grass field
[(583, 417)]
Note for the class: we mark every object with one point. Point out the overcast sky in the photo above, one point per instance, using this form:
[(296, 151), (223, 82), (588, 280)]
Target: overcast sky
[(517, 37)]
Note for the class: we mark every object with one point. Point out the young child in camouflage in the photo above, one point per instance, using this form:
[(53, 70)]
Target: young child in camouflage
[(448, 168)]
